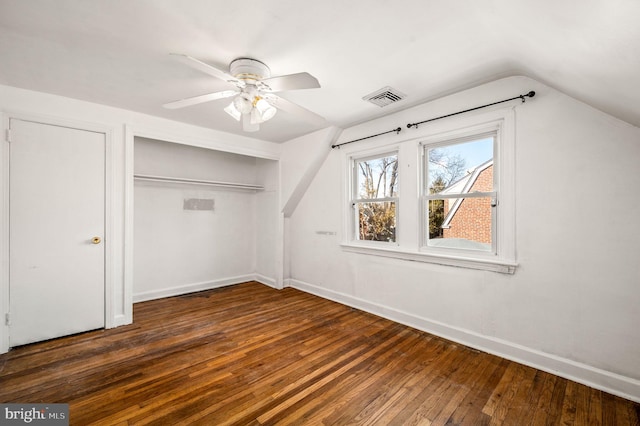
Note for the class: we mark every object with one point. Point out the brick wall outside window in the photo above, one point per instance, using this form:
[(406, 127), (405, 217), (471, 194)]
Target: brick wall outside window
[(472, 220)]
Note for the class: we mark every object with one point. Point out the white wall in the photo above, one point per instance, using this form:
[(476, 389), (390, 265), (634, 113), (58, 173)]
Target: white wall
[(572, 305), (268, 232), (299, 162), (177, 251)]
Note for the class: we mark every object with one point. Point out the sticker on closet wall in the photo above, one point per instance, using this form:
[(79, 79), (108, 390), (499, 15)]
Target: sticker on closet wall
[(198, 204)]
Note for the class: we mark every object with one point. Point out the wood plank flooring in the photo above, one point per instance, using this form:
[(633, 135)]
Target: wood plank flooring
[(251, 355)]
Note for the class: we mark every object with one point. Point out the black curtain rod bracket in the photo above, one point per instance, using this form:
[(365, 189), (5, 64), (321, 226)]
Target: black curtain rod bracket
[(397, 130), (531, 94)]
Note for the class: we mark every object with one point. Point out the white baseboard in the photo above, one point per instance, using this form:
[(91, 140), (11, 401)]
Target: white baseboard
[(191, 288), (603, 380), (120, 320), (271, 282)]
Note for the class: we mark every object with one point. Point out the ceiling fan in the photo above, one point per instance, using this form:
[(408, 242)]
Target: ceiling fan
[(254, 99)]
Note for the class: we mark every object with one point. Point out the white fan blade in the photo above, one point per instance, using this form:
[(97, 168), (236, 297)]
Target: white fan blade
[(208, 69), (302, 80), (296, 109), (200, 99)]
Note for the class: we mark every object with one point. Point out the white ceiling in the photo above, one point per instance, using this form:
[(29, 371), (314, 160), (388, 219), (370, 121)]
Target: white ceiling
[(116, 52)]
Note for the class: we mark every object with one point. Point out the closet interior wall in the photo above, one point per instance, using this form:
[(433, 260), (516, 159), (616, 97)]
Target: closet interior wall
[(190, 237)]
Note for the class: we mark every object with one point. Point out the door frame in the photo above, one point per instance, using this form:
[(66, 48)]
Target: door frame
[(109, 237)]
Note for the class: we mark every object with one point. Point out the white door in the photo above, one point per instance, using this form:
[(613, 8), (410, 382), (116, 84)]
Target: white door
[(56, 217)]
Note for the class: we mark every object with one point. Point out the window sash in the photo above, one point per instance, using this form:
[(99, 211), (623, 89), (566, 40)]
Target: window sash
[(356, 201), (425, 246), (427, 196), (356, 219), (493, 194), (355, 190), (374, 200), (493, 134)]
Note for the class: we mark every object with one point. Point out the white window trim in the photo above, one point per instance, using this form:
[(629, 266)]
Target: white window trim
[(501, 120), (495, 194), (439, 259)]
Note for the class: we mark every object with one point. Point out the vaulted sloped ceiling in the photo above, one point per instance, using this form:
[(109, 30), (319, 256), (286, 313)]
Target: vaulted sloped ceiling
[(116, 52)]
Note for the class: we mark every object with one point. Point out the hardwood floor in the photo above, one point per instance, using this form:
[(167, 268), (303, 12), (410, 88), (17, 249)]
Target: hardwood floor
[(252, 355)]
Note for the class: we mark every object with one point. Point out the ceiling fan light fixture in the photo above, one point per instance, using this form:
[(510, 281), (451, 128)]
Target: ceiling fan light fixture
[(255, 117), (233, 111), (266, 110), (247, 123), (243, 103), (253, 82), (262, 111)]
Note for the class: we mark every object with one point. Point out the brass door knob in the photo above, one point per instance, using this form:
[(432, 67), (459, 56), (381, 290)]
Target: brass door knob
[(96, 240)]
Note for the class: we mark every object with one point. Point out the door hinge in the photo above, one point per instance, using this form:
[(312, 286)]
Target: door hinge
[(8, 135), (7, 319)]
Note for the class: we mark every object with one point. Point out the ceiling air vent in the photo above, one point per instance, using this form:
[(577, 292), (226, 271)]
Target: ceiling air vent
[(385, 96)]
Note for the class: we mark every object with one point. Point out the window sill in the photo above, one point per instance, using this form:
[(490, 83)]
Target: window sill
[(494, 265)]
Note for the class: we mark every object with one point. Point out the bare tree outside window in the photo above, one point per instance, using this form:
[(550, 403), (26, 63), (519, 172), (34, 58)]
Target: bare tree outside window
[(436, 208), (445, 167), (376, 198)]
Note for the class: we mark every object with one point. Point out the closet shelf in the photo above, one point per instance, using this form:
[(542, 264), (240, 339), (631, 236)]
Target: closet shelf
[(151, 178)]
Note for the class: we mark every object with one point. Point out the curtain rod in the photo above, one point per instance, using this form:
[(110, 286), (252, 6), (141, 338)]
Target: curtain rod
[(531, 94), (397, 130)]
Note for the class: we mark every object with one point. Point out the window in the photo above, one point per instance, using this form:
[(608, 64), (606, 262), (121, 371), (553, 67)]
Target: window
[(444, 196), (374, 199), (460, 194)]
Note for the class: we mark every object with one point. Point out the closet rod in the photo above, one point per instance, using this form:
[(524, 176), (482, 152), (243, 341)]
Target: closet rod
[(152, 178)]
